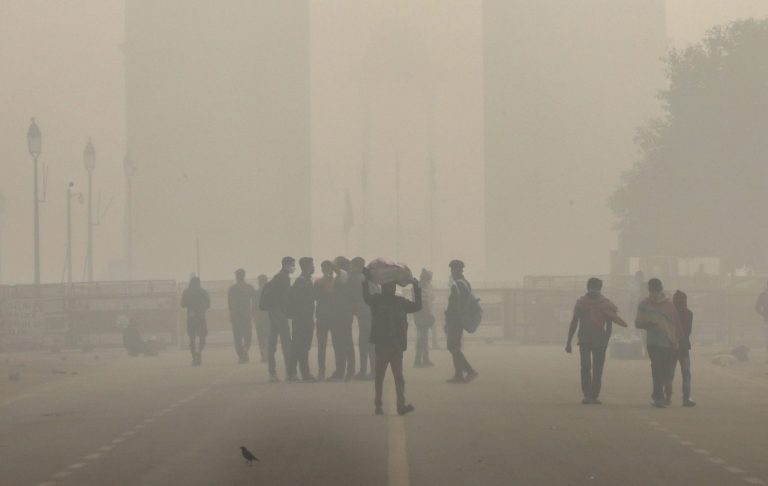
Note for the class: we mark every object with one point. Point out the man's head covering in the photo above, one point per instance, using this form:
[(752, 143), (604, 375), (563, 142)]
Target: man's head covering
[(456, 265)]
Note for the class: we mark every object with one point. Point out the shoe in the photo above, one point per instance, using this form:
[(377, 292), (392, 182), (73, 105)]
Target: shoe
[(689, 403), (321, 375), (668, 401), (378, 410), (658, 404), (309, 379), (405, 409), (335, 378), (361, 376), (349, 377), (240, 360), (456, 379), (586, 401), (274, 379), (471, 376), (595, 401), (292, 379)]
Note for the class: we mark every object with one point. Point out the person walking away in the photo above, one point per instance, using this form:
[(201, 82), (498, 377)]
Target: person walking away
[(454, 325), (301, 308), (389, 335), (196, 301), (593, 316), (240, 300), (424, 320), (325, 296), (341, 331), (658, 317), (261, 319), (683, 353), (273, 300), (761, 306), (362, 315)]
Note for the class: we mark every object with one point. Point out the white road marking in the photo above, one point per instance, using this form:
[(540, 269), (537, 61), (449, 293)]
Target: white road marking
[(106, 448), (91, 457), (128, 433), (686, 442), (62, 474), (754, 480), (148, 420), (118, 440), (139, 427), (673, 436), (701, 451), (717, 460), (735, 470), (77, 465), (47, 483)]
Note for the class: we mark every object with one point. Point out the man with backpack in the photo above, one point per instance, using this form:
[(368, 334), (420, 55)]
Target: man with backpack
[(273, 300), (462, 308)]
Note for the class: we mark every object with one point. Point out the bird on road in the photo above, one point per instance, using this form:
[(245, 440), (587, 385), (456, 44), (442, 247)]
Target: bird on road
[(247, 455)]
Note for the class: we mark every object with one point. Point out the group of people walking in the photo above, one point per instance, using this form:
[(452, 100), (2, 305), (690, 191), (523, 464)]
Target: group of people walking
[(667, 323), (293, 313)]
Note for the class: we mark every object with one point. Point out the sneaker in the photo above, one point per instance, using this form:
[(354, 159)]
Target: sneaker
[(274, 379), (456, 379), (658, 404), (586, 401), (595, 401), (378, 410), (292, 379), (471, 376), (689, 403), (405, 409)]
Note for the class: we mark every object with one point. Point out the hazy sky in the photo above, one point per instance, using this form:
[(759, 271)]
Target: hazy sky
[(60, 61)]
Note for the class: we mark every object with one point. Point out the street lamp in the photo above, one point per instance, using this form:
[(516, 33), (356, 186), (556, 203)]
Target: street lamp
[(70, 196), (89, 160), (35, 144), (130, 169)]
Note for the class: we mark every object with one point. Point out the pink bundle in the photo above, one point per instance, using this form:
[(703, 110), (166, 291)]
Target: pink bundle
[(387, 271)]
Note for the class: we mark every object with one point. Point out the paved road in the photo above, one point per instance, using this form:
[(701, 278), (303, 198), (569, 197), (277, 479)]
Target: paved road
[(160, 421)]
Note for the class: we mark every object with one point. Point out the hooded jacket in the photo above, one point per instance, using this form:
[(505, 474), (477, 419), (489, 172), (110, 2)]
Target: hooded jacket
[(686, 319)]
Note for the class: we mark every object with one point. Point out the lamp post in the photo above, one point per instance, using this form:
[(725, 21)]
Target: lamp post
[(70, 196), (89, 160), (34, 144), (130, 170), (2, 222)]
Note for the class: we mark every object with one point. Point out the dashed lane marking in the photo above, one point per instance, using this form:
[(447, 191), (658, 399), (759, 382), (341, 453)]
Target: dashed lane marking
[(716, 460), (106, 448), (754, 480), (735, 470), (118, 440), (703, 452), (47, 483), (62, 474), (92, 457), (77, 465)]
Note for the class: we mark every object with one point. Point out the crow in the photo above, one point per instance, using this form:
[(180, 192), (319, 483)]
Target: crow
[(247, 455)]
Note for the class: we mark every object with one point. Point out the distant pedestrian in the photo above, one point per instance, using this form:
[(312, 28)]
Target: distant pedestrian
[(341, 330), (301, 308), (197, 302), (683, 353), (362, 315), (261, 319), (241, 300), (461, 292), (325, 295), (273, 300), (761, 306), (594, 316), (658, 316), (424, 320), (389, 335)]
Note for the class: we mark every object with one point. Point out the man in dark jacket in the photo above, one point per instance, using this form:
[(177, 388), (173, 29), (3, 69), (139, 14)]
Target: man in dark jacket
[(454, 326), (301, 305), (683, 352), (240, 300), (424, 320), (593, 315), (278, 321), (363, 317), (196, 300), (389, 335), (325, 296), (341, 330), (261, 319)]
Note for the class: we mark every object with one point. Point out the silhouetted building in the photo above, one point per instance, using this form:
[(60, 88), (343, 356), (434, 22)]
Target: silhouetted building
[(218, 126)]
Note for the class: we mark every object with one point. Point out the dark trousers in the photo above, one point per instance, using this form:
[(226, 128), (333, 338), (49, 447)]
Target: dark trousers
[(387, 356), (323, 328), (592, 362), (364, 347), (279, 328), (343, 346), (683, 356), (661, 361), (453, 334), (422, 345), (242, 333), (262, 336), (301, 341)]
